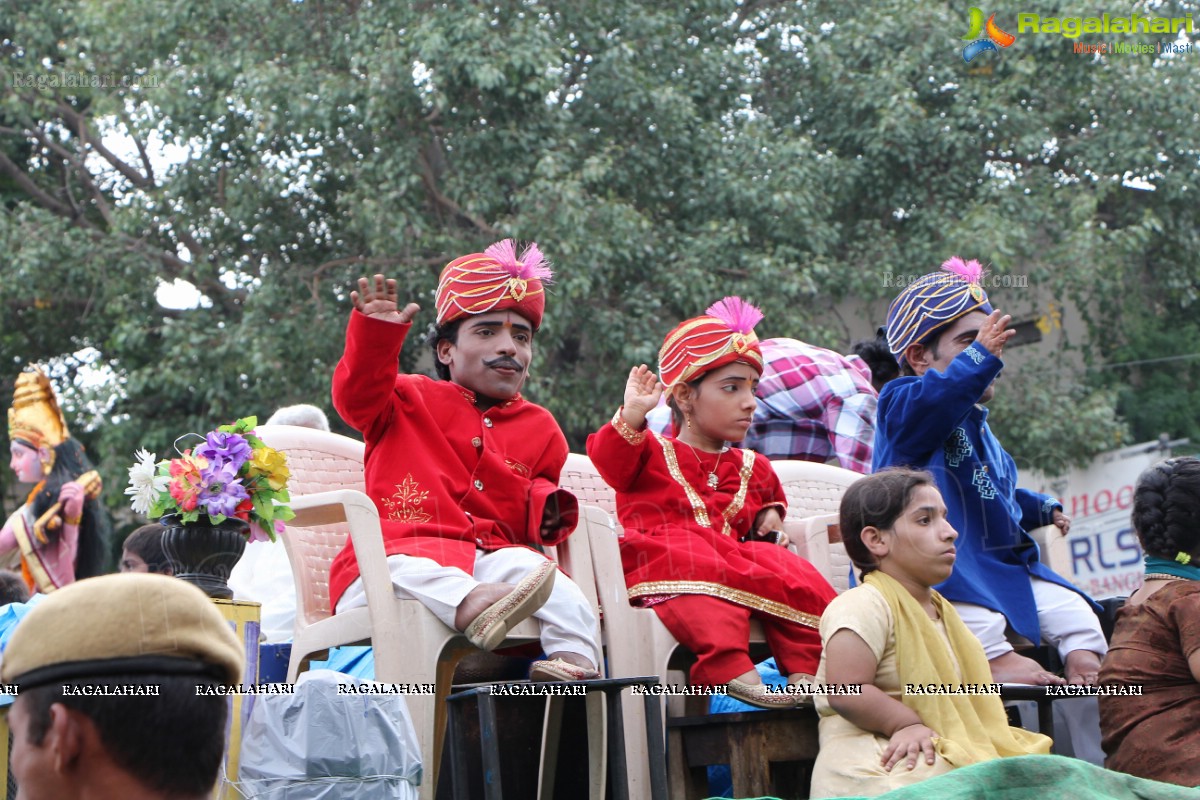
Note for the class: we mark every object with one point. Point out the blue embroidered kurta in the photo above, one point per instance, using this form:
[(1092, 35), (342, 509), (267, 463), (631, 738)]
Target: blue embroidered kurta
[(933, 423)]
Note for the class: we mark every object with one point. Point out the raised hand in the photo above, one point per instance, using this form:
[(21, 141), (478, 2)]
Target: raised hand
[(642, 392), (377, 298), (994, 333)]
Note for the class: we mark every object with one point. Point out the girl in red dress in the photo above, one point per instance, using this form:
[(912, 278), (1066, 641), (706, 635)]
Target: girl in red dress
[(703, 543)]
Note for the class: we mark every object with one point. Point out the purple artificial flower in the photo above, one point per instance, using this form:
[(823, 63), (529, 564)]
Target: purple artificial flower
[(225, 448), (221, 490)]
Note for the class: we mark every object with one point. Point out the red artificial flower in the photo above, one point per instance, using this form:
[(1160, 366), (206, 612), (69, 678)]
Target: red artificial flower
[(243, 510)]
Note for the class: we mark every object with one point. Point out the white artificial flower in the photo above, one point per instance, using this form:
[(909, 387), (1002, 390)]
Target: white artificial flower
[(144, 484)]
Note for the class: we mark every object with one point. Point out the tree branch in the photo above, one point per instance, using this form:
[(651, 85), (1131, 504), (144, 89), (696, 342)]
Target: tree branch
[(752, 7), (141, 149), (76, 211), (224, 297), (76, 163), (448, 204), (188, 241), (79, 122), (27, 185)]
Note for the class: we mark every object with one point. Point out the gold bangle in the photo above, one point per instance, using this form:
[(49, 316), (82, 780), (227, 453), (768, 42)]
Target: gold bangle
[(73, 520), (626, 430)]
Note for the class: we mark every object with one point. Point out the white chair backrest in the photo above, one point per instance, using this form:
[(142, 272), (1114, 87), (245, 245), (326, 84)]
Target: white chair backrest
[(580, 478), (813, 488), (319, 461), (1054, 551), (826, 551)]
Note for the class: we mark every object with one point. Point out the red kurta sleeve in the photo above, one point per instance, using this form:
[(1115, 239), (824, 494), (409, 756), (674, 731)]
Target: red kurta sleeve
[(619, 461), (767, 489), (543, 487), (540, 493), (364, 383)]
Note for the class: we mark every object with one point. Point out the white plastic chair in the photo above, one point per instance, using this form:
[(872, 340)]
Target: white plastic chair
[(580, 477), (411, 644), (813, 488), (635, 640), (1053, 549), (655, 645), (819, 540), (319, 462)]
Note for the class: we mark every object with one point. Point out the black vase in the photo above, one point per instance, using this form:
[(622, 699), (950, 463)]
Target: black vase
[(203, 554)]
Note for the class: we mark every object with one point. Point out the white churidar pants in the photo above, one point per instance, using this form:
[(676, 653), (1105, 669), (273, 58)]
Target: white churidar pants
[(1067, 624), (566, 622), (1066, 620)]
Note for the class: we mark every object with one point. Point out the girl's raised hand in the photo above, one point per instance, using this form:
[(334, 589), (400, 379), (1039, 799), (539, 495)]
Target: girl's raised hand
[(908, 743), (642, 392)]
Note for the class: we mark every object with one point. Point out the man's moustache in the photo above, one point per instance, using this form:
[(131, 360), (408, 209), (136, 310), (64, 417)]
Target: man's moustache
[(505, 362)]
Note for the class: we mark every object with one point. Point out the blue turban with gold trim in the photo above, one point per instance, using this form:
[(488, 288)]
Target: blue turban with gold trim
[(933, 301)]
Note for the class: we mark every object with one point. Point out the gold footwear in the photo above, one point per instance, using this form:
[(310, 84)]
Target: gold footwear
[(490, 628), (558, 670), (760, 695)]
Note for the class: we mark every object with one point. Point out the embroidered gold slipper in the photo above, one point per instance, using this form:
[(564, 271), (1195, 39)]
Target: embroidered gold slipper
[(488, 630), (758, 695), (556, 669), (801, 689)]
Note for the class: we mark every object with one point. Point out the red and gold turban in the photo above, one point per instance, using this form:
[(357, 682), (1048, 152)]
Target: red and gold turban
[(723, 335), (494, 280)]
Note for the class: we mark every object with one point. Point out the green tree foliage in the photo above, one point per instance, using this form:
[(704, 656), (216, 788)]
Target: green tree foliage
[(268, 153), (1155, 375)]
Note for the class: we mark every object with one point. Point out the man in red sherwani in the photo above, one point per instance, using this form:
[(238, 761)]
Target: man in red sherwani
[(464, 470)]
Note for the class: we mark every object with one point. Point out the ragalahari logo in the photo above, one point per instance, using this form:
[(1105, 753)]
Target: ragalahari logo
[(993, 36)]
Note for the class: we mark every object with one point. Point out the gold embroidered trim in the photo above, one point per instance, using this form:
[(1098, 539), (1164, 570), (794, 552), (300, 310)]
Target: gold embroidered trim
[(699, 509), (626, 430), (739, 499), (742, 598), (683, 331), (30, 556), (516, 467)]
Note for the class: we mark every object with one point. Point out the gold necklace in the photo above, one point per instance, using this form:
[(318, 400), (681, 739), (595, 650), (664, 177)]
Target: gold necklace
[(699, 510), (712, 479)]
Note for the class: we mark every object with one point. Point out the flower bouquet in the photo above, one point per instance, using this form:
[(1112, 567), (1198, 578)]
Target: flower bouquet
[(230, 475)]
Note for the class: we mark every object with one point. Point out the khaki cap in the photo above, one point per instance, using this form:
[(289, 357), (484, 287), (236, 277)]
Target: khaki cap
[(122, 624)]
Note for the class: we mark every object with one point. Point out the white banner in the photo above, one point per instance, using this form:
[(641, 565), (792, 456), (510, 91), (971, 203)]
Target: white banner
[(1105, 557)]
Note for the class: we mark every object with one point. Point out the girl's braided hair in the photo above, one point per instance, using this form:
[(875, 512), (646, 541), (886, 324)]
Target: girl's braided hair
[(1166, 507)]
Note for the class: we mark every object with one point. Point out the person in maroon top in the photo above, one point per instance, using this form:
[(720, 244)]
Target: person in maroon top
[(464, 470), (1150, 722), (703, 521)]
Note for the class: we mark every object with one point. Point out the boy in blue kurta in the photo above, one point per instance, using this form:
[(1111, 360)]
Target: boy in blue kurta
[(949, 340)]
